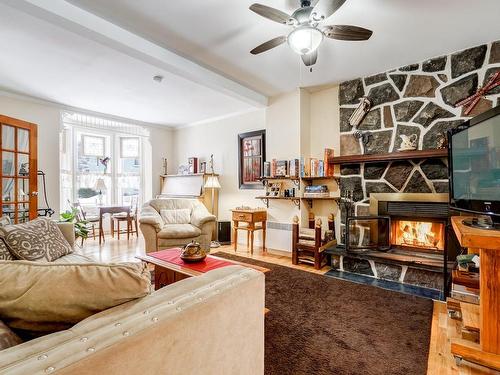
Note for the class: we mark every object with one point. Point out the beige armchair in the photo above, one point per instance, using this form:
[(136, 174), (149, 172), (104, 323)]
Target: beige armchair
[(157, 221)]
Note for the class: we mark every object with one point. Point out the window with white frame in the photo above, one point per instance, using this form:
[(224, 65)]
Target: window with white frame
[(102, 161)]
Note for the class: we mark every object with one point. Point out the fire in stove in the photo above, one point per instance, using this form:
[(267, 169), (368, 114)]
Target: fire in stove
[(418, 234)]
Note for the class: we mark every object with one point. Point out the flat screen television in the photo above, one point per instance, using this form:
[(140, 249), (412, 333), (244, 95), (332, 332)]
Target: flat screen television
[(474, 165)]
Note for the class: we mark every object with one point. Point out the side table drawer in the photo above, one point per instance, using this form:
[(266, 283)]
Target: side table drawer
[(242, 216)]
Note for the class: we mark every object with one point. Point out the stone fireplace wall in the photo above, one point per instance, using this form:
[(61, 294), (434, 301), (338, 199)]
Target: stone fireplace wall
[(414, 99)]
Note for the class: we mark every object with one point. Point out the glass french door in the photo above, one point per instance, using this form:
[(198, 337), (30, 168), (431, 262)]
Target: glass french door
[(18, 169)]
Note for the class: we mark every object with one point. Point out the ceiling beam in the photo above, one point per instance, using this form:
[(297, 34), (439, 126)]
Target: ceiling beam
[(84, 23)]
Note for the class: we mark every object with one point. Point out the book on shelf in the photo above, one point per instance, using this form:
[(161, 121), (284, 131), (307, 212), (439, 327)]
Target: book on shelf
[(273, 168), (313, 167), (281, 168), (321, 168), (294, 167), (267, 169), (329, 169)]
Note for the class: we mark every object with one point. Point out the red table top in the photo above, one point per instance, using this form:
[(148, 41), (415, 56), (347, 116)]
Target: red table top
[(173, 256)]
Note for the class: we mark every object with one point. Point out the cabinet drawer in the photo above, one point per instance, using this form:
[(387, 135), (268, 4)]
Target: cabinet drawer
[(242, 216)]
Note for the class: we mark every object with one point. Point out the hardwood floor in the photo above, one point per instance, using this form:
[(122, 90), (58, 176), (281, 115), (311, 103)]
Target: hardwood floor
[(441, 362)]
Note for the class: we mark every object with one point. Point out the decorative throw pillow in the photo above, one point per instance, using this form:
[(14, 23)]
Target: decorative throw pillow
[(180, 216), (38, 298), (7, 337), (37, 240)]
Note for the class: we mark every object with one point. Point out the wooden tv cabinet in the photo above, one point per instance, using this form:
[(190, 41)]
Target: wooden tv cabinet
[(487, 244)]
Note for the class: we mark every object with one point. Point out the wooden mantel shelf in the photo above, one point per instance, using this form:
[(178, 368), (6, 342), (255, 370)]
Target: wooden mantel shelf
[(397, 155)]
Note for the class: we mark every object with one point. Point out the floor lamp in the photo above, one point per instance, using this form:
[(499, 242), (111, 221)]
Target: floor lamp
[(213, 183)]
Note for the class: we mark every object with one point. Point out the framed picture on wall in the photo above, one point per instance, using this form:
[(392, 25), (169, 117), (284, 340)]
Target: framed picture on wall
[(251, 157)]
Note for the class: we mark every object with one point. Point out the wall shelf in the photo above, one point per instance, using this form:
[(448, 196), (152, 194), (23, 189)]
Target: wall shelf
[(295, 200), (399, 155), (310, 200)]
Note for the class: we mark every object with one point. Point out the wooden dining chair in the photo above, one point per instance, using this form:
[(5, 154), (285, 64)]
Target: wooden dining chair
[(130, 219)]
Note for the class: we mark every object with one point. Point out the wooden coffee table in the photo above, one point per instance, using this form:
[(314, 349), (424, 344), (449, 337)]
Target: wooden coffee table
[(167, 273)]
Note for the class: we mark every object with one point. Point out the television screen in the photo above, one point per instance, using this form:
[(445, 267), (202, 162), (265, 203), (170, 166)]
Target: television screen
[(476, 162)]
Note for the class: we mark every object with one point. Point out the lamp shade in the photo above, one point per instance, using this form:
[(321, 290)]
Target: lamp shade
[(100, 185), (212, 183), (305, 39)]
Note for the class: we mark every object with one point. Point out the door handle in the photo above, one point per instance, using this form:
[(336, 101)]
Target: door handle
[(34, 193)]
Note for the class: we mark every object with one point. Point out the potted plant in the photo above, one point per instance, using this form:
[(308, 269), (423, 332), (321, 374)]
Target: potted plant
[(81, 227)]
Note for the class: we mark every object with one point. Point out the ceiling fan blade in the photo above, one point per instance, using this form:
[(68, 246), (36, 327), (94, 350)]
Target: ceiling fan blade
[(325, 8), (268, 45), (270, 13), (347, 32), (310, 59)]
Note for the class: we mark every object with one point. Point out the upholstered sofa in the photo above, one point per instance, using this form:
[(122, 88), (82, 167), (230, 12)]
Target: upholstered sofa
[(169, 222), (209, 324)]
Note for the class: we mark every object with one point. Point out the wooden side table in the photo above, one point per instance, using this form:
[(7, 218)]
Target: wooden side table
[(251, 218), (487, 243)]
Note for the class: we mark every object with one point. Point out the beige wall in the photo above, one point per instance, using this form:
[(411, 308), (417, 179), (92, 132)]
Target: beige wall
[(48, 118), (297, 123)]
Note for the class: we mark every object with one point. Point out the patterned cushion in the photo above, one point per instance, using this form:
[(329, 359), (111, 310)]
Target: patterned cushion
[(39, 240), (7, 337), (4, 251)]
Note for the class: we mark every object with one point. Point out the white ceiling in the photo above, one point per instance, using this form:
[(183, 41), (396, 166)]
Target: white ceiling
[(220, 33), (43, 57), (47, 62)]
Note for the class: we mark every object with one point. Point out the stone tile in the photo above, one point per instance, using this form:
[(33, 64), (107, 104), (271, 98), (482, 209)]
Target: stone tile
[(399, 80), (378, 143), (345, 114), (495, 53), (361, 266), (460, 89), (436, 132), (372, 120), (435, 65), (434, 169), (374, 171), (482, 106), (350, 169), (421, 86), (362, 210), (468, 60), (388, 271), (351, 91), (377, 78), (443, 77), (377, 187), (407, 130), (489, 73), (430, 113), (388, 121), (409, 68), (382, 94), (405, 111), (417, 184), (441, 187), (354, 184), (349, 145), (398, 173), (424, 278)]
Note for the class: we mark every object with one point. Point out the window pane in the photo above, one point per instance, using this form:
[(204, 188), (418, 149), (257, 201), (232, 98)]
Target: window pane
[(130, 166), (23, 165), (23, 213), (8, 168), (23, 189), (94, 146), (129, 147), (23, 140), (8, 190), (8, 137)]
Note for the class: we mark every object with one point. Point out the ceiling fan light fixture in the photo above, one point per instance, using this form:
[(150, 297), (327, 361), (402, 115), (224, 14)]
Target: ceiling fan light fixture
[(304, 40)]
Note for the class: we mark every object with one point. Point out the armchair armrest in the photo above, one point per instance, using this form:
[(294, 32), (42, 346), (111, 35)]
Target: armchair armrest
[(150, 216), (200, 216)]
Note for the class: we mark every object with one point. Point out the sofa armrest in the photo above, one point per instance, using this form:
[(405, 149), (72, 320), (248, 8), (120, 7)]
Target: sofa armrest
[(200, 216), (150, 216)]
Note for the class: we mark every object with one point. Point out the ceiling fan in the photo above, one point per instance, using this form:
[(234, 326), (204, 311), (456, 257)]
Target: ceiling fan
[(307, 33)]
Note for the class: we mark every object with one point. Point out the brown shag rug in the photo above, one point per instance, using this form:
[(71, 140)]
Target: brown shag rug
[(325, 326)]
